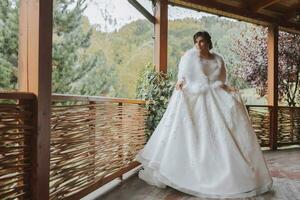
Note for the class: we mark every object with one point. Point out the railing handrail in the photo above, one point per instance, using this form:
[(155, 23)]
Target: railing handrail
[(64, 97), (17, 95), (258, 106), (269, 106), (289, 107)]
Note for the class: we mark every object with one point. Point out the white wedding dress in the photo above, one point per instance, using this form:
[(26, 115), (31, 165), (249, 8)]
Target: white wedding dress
[(205, 145)]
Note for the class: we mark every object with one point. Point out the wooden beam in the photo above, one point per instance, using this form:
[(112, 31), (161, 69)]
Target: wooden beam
[(68, 97), (17, 95), (161, 36), (291, 12), (272, 65), (244, 14), (272, 93), (262, 4), (35, 68), (142, 10)]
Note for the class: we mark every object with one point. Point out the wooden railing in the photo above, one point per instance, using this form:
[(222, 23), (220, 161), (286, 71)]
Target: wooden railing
[(260, 117), (17, 137), (93, 141), (288, 125)]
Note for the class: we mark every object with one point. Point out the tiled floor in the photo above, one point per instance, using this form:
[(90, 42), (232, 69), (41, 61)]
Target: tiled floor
[(284, 166)]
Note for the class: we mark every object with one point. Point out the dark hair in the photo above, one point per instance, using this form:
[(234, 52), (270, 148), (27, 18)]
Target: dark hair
[(206, 37)]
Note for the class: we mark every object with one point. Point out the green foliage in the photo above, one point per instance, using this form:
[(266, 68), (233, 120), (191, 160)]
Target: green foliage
[(8, 44), (127, 50), (252, 50), (156, 88), (7, 75), (75, 70), (224, 32), (100, 80), (70, 62)]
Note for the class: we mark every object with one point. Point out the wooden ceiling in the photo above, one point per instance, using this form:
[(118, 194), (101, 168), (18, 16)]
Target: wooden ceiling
[(263, 12)]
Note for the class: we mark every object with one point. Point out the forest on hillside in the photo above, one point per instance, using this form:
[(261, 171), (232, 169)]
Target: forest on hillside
[(89, 61)]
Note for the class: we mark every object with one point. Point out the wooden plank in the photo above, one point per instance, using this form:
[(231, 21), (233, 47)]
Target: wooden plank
[(65, 97), (257, 106), (17, 95), (161, 36), (31, 141), (35, 76), (272, 93), (262, 4), (244, 14), (42, 85), (291, 12), (272, 45), (142, 10)]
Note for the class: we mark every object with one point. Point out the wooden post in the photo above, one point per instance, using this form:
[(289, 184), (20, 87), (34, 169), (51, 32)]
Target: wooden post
[(273, 82), (121, 139), (29, 106), (35, 68), (92, 136), (161, 36)]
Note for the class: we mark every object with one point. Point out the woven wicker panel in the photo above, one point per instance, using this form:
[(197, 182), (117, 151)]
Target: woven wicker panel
[(288, 125), (16, 130), (92, 141), (260, 118)]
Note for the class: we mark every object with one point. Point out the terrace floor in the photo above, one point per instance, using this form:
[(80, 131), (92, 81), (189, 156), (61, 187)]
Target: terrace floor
[(284, 166)]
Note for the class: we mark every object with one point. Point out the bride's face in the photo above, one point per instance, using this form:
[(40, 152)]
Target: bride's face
[(201, 44)]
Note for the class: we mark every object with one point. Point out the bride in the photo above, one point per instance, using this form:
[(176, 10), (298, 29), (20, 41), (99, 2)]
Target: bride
[(205, 145)]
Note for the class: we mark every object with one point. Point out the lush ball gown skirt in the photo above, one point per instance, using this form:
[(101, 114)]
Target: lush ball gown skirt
[(205, 146)]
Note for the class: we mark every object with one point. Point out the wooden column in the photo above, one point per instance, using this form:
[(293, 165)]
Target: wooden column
[(35, 68), (161, 35), (273, 82)]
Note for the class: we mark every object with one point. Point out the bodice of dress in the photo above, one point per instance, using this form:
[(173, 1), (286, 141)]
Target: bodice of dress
[(201, 74)]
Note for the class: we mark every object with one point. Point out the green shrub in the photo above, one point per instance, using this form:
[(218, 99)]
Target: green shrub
[(156, 88)]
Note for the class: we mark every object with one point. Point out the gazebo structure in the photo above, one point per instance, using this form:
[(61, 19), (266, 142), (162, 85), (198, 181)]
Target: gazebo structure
[(64, 146)]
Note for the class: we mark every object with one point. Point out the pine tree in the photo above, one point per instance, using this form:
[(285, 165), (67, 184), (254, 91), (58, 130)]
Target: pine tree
[(69, 44), (74, 69), (8, 44), (72, 66), (101, 79)]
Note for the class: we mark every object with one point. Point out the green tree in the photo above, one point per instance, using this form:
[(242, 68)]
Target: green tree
[(8, 44), (157, 89), (223, 33), (74, 69), (69, 41), (100, 80), (252, 48)]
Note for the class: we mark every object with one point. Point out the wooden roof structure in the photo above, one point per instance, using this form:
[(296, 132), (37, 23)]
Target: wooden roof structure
[(284, 13)]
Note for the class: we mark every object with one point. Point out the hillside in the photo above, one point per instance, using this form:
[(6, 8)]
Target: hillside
[(129, 49)]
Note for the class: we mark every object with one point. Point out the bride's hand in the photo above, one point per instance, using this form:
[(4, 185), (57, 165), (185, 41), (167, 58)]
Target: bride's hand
[(179, 85), (229, 88)]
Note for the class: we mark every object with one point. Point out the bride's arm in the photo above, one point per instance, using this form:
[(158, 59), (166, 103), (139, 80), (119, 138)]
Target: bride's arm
[(181, 76), (179, 84)]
